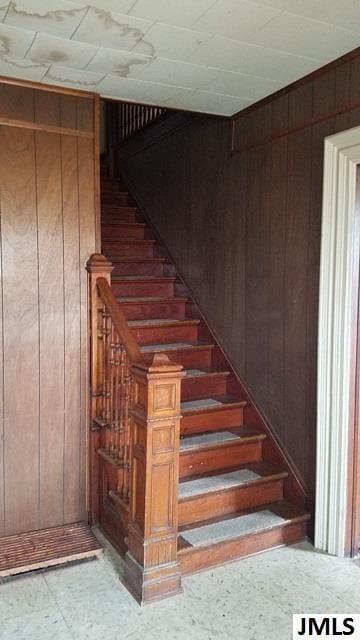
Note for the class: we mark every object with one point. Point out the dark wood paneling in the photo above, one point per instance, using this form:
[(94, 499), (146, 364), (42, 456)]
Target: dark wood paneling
[(248, 240), (47, 233)]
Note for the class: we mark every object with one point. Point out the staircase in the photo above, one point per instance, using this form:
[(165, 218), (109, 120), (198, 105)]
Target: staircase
[(237, 496)]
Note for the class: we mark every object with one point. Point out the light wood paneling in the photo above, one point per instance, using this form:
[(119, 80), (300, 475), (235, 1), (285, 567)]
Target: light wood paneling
[(48, 222)]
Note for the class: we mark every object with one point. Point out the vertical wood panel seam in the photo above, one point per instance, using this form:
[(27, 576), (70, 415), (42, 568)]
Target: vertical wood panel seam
[(81, 311), (64, 314), (35, 136)]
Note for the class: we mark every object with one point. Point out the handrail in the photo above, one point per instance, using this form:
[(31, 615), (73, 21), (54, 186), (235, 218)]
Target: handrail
[(119, 321)]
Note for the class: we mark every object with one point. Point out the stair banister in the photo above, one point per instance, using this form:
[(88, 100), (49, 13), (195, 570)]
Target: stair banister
[(135, 417)]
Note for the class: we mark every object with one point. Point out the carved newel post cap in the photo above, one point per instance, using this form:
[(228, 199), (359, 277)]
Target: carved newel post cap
[(98, 262)]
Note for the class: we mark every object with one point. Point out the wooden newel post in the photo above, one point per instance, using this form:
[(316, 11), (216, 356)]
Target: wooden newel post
[(98, 267), (151, 568)]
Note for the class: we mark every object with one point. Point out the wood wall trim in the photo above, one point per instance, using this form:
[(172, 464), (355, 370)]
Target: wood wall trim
[(40, 86), (338, 308), (288, 131), (36, 126)]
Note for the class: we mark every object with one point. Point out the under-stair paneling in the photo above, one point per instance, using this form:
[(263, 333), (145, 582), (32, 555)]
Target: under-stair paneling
[(242, 221), (48, 231)]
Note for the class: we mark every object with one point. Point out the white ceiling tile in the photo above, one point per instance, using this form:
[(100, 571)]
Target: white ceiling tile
[(207, 102), (236, 19), (23, 69), (138, 90), (118, 63), (58, 17), (119, 6), (172, 42), (73, 77), (15, 42), (112, 30), (177, 73), (251, 59), (296, 35), (343, 13), (241, 85), (182, 13), (48, 49)]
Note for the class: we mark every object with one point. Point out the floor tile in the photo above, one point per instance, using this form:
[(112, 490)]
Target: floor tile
[(40, 625)]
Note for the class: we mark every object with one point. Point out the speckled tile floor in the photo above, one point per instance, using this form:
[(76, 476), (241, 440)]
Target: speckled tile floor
[(251, 599)]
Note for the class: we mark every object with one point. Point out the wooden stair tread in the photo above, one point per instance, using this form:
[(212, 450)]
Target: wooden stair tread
[(214, 403), (122, 223), (130, 241), (216, 482), (174, 346), (162, 322), (161, 299), (241, 524), (154, 279), (138, 259), (209, 439)]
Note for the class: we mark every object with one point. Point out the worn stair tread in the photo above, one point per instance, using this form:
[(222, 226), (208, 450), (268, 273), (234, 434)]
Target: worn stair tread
[(122, 223), (241, 524), (130, 241), (150, 299), (174, 346), (138, 259), (209, 439), (215, 482), (216, 402), (163, 322)]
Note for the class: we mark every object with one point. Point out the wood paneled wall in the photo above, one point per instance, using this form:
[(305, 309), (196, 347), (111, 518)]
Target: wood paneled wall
[(244, 230), (48, 225)]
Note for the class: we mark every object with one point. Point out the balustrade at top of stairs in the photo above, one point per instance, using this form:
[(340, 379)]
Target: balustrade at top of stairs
[(204, 489)]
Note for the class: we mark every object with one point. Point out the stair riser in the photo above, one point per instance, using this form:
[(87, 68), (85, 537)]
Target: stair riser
[(138, 269), (116, 198), (133, 288), (110, 184), (112, 216), (127, 250), (191, 358), (216, 504), (201, 386), (151, 335), (147, 310), (193, 463), (111, 231), (197, 558), (211, 420)]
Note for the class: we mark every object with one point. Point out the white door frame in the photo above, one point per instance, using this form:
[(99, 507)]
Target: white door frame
[(339, 273)]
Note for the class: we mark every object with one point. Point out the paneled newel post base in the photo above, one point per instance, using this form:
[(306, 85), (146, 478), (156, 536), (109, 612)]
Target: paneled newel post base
[(151, 569)]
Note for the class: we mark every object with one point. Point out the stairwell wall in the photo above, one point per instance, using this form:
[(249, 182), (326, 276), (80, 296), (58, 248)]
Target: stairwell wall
[(242, 220)]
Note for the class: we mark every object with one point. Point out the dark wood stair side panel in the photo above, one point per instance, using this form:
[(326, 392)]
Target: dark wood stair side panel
[(217, 457), (220, 503), (194, 559)]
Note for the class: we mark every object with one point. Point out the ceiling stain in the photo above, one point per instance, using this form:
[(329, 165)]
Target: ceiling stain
[(4, 45), (124, 69), (77, 82), (21, 64), (46, 57), (58, 15), (108, 22)]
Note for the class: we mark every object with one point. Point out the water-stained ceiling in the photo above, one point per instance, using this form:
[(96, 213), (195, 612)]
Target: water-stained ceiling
[(214, 56)]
